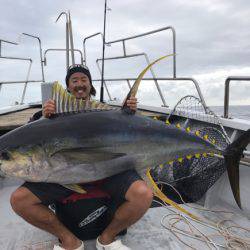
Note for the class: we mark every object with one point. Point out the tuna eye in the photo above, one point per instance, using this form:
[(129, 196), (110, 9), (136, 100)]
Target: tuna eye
[(5, 155)]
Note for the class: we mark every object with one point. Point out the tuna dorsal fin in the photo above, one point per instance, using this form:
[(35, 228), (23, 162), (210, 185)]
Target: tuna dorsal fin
[(135, 87), (66, 102)]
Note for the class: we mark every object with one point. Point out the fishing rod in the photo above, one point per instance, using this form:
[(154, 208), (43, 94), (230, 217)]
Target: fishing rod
[(103, 52)]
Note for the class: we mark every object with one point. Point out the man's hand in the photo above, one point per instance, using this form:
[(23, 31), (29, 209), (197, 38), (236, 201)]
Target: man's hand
[(49, 108), (132, 103)]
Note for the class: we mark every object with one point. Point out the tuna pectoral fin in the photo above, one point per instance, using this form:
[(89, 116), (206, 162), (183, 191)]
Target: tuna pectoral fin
[(232, 159), (87, 155)]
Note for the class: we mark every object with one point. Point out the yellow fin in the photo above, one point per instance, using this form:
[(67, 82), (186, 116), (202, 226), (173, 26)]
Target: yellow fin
[(188, 157), (213, 141), (204, 154), (180, 160), (197, 132), (167, 122), (75, 187), (155, 118), (205, 137), (197, 156), (170, 162), (161, 166), (178, 125), (134, 89), (165, 199), (188, 129)]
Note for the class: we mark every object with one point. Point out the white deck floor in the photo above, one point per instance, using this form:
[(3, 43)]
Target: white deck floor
[(16, 234)]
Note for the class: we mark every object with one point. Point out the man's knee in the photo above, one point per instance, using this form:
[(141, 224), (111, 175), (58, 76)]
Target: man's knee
[(139, 191), (22, 198)]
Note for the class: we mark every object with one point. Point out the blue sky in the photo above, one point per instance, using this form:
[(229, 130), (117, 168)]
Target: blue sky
[(212, 43)]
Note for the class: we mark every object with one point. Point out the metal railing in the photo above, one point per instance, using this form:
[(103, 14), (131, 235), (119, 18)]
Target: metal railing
[(196, 84), (125, 55), (5, 41), (69, 38), (84, 44), (40, 52), (48, 50), (24, 59), (150, 33), (134, 37), (226, 96), (151, 70), (27, 77)]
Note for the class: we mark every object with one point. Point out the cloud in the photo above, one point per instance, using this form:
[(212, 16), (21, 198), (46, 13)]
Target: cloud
[(212, 41)]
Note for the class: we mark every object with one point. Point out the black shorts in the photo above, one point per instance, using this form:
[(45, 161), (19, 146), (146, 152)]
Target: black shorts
[(116, 186)]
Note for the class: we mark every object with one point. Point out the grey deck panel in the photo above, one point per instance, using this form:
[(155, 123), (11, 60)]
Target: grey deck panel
[(147, 233), (16, 234)]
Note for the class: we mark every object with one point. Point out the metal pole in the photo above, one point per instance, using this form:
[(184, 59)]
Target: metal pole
[(165, 78), (25, 85), (84, 44), (67, 46), (103, 51), (124, 53), (226, 97), (71, 40), (152, 32), (41, 53), (48, 50), (151, 70), (104, 83), (67, 37)]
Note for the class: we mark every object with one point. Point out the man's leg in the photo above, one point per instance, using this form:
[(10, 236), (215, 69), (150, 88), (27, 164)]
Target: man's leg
[(29, 207), (138, 199)]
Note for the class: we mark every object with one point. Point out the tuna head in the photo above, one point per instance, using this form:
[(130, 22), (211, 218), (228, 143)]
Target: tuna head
[(24, 162)]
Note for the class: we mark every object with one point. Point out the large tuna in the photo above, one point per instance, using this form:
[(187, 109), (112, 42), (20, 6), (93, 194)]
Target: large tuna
[(91, 145)]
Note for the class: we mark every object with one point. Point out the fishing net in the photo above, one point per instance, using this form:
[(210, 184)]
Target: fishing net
[(193, 177)]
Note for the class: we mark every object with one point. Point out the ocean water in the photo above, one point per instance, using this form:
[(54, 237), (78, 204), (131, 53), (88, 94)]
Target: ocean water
[(242, 112)]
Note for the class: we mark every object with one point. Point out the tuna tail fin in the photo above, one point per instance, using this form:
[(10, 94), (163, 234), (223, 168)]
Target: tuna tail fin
[(232, 156), (134, 89)]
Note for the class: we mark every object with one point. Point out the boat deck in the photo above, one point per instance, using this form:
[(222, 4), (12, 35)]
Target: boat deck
[(16, 119), (146, 234)]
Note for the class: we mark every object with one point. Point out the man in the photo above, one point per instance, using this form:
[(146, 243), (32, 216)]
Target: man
[(131, 193)]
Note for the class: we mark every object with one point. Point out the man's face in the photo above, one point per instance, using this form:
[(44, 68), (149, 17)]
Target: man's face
[(79, 85)]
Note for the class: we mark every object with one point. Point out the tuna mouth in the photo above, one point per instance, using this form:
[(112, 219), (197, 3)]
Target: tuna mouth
[(4, 156)]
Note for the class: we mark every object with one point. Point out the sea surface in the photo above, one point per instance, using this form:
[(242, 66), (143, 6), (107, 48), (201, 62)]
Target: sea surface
[(242, 112)]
